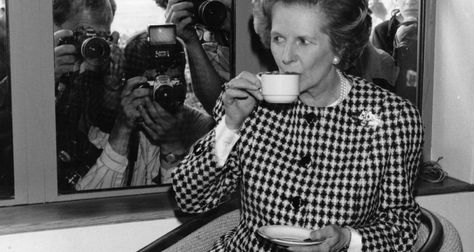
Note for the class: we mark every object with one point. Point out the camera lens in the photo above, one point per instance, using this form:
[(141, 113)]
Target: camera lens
[(95, 49), (212, 13), (164, 95)]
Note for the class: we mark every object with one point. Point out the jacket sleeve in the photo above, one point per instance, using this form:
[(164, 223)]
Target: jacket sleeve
[(199, 184), (394, 224)]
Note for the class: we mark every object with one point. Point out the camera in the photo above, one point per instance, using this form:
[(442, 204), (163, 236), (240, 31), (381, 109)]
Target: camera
[(168, 60), (211, 13), (169, 93), (93, 46)]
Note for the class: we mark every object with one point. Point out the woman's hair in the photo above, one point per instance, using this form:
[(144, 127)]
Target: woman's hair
[(348, 24), (101, 10)]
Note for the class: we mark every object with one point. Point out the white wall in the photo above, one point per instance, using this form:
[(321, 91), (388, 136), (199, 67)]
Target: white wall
[(453, 89), (124, 237)]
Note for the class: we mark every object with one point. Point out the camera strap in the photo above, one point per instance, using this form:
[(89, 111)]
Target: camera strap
[(132, 156)]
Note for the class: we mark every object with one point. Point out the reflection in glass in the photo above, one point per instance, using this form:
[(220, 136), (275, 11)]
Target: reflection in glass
[(108, 137), (395, 31), (6, 144)]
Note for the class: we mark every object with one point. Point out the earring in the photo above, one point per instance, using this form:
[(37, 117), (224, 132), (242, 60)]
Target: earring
[(336, 60)]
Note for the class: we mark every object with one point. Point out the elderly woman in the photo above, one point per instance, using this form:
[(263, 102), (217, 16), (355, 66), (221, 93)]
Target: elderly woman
[(340, 161)]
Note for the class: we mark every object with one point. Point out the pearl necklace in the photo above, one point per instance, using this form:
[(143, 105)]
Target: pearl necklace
[(345, 88)]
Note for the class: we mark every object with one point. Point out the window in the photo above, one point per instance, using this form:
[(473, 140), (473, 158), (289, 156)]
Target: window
[(33, 99)]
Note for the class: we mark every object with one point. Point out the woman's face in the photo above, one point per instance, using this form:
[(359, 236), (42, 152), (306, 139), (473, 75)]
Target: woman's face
[(298, 45)]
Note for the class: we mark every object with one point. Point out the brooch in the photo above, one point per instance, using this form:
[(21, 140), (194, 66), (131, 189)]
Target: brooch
[(366, 118)]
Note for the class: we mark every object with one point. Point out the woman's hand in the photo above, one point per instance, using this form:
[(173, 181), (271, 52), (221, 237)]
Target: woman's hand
[(181, 13), (241, 95), (335, 238)]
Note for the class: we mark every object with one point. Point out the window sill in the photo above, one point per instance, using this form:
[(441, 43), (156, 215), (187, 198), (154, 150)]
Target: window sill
[(59, 215), (28, 218), (450, 185)]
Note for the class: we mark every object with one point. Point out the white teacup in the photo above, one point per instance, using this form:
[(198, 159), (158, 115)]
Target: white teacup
[(279, 87)]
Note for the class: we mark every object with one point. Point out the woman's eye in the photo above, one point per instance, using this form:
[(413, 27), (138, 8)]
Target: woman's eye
[(277, 39), (304, 42)]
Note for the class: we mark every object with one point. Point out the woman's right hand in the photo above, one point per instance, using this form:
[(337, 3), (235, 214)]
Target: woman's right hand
[(241, 95)]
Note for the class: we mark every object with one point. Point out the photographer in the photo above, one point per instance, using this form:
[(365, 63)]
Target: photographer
[(146, 142), (88, 70), (207, 40), (154, 128)]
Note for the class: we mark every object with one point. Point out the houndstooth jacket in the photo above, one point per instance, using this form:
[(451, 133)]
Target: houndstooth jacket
[(353, 164)]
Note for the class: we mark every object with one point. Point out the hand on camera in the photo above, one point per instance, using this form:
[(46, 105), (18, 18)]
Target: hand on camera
[(158, 124), (241, 96), (181, 13), (64, 54), (132, 101)]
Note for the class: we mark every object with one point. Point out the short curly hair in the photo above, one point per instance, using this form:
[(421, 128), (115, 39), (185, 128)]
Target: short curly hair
[(348, 24)]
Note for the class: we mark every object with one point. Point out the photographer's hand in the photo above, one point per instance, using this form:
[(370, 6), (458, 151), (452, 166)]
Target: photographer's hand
[(132, 99), (64, 54), (159, 124), (181, 13)]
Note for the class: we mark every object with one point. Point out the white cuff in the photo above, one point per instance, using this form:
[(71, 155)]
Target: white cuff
[(225, 140), (113, 160), (356, 241)]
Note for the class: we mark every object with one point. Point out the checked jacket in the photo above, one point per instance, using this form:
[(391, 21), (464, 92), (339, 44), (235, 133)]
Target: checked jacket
[(353, 164)]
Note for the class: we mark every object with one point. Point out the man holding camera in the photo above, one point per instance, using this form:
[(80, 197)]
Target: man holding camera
[(110, 134), (88, 69), (204, 26)]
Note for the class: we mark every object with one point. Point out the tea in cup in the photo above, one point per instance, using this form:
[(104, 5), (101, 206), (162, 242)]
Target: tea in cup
[(279, 87)]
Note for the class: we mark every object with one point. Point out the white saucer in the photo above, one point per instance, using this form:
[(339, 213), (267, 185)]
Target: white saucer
[(287, 235)]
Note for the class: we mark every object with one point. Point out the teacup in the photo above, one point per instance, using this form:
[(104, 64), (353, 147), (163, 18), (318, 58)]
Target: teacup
[(279, 87)]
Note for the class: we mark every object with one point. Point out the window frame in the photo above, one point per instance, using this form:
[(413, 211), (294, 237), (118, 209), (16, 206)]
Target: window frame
[(33, 109), (34, 133)]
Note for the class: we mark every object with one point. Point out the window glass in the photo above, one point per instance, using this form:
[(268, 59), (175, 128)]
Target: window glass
[(108, 135), (6, 143), (395, 26)]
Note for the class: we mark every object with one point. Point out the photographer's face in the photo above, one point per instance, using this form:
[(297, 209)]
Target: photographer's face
[(84, 19), (408, 8)]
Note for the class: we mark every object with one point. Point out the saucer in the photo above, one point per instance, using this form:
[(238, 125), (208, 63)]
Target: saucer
[(287, 235)]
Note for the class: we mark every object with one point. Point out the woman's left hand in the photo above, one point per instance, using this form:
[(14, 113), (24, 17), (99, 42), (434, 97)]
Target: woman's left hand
[(334, 239)]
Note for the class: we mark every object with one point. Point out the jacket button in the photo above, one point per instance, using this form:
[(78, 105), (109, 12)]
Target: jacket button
[(310, 118), (296, 202), (198, 149), (304, 160)]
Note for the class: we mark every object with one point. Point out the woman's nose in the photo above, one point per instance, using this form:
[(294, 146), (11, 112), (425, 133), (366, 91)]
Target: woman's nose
[(288, 56)]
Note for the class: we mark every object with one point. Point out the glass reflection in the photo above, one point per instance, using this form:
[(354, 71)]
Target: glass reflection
[(120, 117), (6, 144), (395, 31)]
